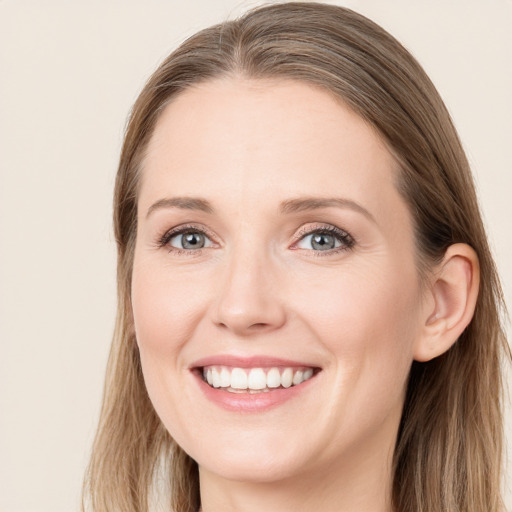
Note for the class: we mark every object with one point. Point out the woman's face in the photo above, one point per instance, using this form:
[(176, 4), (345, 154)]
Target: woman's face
[(273, 247)]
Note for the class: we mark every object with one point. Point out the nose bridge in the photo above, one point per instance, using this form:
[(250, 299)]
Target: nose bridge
[(248, 298)]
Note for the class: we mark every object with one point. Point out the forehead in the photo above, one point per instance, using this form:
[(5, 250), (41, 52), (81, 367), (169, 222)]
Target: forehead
[(253, 137)]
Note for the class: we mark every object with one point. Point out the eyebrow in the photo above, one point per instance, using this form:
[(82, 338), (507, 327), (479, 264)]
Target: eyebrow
[(185, 203), (286, 207), (315, 203)]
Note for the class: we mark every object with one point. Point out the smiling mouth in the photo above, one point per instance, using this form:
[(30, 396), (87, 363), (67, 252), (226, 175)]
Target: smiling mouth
[(255, 380)]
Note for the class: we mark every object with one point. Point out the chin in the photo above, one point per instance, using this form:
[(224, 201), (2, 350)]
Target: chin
[(254, 468), (263, 454)]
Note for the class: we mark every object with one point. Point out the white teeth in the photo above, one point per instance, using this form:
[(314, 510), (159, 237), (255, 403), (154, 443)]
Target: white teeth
[(297, 378), (238, 378), (287, 378), (257, 379), (215, 378), (225, 378), (273, 378), (254, 380)]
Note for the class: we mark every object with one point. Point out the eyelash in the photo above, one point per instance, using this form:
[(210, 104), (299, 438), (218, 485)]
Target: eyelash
[(182, 230), (346, 240)]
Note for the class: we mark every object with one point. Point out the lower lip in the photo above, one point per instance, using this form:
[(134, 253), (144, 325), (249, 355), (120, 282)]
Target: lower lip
[(252, 402)]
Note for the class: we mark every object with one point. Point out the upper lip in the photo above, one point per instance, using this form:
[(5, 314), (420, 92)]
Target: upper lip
[(248, 362)]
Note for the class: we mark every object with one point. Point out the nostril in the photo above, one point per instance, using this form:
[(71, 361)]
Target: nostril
[(258, 325), (252, 327)]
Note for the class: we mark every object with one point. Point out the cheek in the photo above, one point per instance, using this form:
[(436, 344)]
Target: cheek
[(374, 299), (368, 318), (162, 310), (369, 325), (162, 313)]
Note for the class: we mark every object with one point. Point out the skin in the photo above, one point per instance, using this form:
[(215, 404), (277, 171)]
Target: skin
[(259, 287)]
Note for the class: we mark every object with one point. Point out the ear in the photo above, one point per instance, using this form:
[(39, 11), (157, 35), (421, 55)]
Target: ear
[(450, 303)]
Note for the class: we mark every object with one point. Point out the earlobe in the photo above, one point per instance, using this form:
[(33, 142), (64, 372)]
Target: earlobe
[(453, 294)]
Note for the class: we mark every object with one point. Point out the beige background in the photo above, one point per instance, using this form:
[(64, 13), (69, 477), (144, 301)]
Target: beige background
[(69, 72)]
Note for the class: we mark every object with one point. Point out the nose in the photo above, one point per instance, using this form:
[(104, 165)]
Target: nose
[(249, 298)]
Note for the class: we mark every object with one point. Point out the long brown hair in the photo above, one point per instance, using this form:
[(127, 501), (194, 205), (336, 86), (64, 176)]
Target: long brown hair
[(449, 448)]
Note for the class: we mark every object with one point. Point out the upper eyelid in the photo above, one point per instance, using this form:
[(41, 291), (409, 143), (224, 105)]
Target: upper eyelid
[(178, 230), (301, 232), (326, 228), (322, 227)]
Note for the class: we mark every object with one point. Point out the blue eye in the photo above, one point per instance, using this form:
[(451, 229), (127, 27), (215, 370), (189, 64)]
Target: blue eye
[(326, 239), (186, 239), (319, 242)]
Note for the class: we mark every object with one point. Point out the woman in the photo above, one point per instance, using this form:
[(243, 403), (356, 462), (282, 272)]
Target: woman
[(309, 314)]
